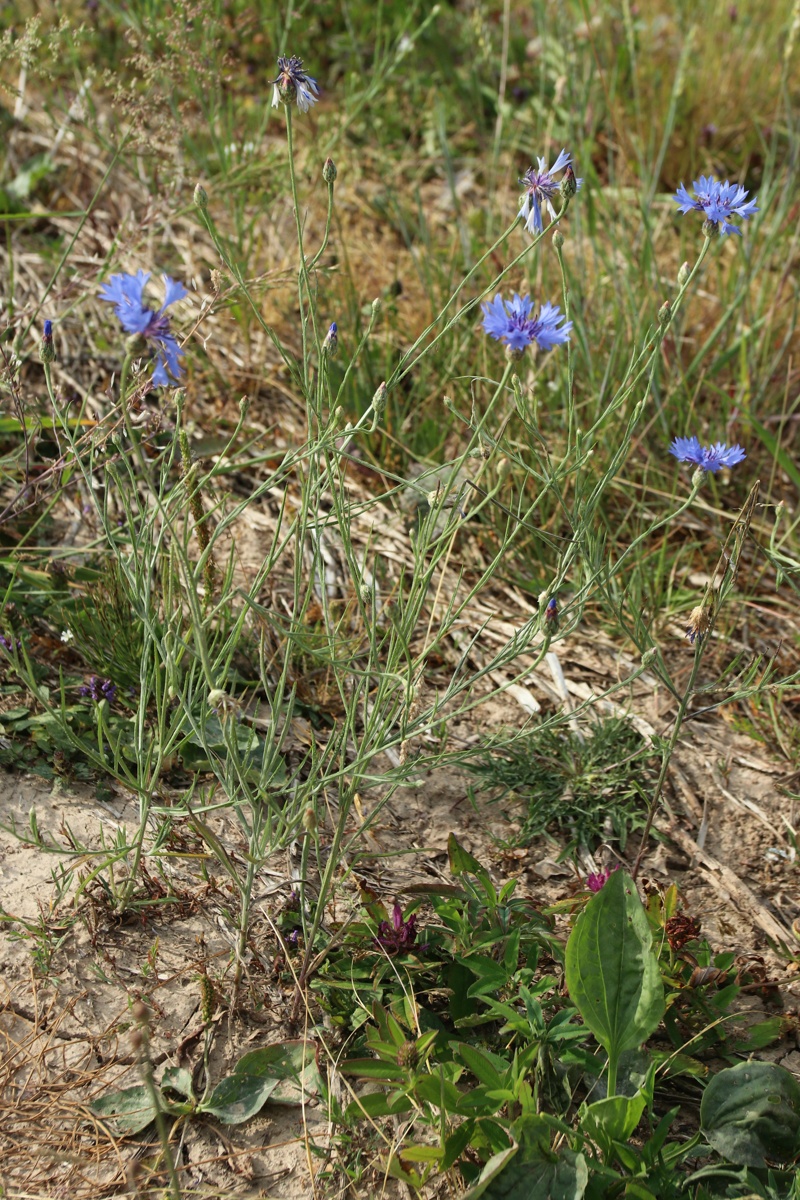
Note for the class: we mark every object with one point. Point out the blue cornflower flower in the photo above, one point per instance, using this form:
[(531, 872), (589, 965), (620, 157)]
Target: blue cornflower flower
[(717, 202), (540, 188), (294, 84), (511, 322), (125, 293), (707, 458)]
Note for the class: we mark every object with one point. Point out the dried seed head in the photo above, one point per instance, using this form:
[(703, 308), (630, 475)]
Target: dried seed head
[(699, 623)]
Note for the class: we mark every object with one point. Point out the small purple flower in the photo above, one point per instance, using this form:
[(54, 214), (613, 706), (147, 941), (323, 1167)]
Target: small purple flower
[(293, 83), (596, 883), (98, 689), (707, 458), (399, 934), (9, 643), (511, 322), (718, 202), (125, 292), (551, 612), (540, 188)]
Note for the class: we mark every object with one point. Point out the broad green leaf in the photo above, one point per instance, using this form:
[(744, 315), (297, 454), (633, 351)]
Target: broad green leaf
[(513, 1176), (283, 1072), (612, 974), (130, 1109), (751, 1112), (179, 1079), (462, 862), (237, 1098), (613, 1119)]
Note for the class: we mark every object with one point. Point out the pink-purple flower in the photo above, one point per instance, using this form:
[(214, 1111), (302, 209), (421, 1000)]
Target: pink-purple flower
[(596, 882), (397, 935)]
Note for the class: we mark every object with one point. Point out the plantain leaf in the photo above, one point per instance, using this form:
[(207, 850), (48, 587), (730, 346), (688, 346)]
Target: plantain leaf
[(751, 1112), (612, 974)]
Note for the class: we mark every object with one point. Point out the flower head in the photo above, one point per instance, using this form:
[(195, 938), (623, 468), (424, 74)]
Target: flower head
[(718, 202), (125, 292), (699, 624), (98, 689), (294, 84), (707, 458), (551, 612), (511, 322), (541, 187), (595, 883), (398, 934)]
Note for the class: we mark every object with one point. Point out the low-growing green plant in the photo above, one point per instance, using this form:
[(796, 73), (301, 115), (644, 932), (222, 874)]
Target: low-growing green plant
[(585, 786)]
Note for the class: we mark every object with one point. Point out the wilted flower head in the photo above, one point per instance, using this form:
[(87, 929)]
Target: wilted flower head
[(596, 882), (98, 689), (707, 458), (718, 202), (541, 187), (125, 292), (699, 623), (511, 322), (294, 84), (398, 934)]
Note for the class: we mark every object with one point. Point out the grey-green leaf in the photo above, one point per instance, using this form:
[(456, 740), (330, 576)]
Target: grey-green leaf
[(751, 1112), (130, 1109), (612, 974)]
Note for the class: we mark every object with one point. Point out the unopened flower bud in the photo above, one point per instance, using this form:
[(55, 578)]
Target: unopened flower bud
[(47, 351), (683, 274), (503, 470), (310, 820), (200, 196), (568, 186), (648, 656), (551, 614), (558, 239), (365, 594), (244, 404), (329, 171), (376, 306), (331, 343), (664, 313), (379, 401), (408, 1056)]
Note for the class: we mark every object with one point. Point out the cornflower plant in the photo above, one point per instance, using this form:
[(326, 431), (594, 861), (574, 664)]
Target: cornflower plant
[(170, 525)]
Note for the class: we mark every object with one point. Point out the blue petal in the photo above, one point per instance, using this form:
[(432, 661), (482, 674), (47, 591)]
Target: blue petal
[(173, 290)]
